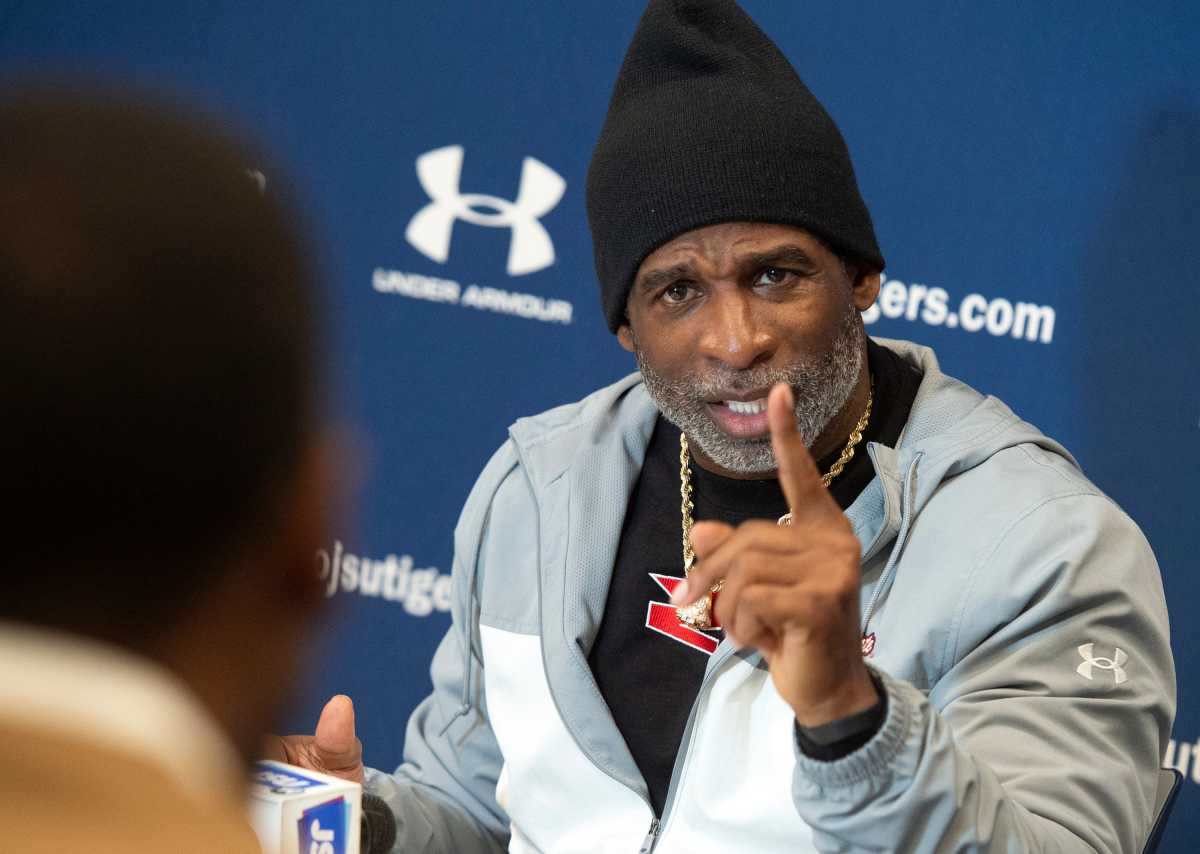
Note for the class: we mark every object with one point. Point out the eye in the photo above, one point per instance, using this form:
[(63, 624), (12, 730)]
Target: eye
[(774, 276), (676, 293)]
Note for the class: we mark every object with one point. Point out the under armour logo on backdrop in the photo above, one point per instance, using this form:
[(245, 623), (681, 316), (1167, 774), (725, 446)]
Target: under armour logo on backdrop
[(530, 248), (1095, 662)]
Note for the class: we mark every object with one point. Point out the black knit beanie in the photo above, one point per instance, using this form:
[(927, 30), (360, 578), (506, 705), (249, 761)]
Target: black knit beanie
[(709, 123)]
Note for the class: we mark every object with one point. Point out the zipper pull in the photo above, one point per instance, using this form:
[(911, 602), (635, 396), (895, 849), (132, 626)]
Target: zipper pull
[(648, 842)]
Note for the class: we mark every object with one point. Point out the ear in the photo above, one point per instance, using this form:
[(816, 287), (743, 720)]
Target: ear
[(625, 337), (865, 288), (319, 496)]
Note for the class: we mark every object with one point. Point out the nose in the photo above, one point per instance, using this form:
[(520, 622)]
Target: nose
[(734, 332)]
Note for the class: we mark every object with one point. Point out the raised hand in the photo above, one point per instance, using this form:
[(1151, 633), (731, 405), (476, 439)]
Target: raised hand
[(792, 592), (332, 749)]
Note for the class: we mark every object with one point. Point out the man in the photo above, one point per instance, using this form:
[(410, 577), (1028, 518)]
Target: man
[(938, 635), (165, 478)]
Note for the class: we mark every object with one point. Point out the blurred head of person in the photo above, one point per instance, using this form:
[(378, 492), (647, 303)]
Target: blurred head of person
[(165, 472)]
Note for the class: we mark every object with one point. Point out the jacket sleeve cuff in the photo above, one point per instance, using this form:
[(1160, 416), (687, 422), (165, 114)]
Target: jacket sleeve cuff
[(842, 737), (874, 760)]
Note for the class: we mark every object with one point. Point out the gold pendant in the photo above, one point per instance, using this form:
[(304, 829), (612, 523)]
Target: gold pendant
[(697, 615)]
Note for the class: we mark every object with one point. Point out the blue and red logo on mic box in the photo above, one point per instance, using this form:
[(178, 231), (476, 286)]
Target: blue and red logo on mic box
[(324, 828)]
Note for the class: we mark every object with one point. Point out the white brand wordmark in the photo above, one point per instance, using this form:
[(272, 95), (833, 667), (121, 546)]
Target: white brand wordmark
[(1094, 662), (322, 840), (530, 248)]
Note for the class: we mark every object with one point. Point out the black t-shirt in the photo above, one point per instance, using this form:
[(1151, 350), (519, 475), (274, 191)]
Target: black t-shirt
[(648, 668)]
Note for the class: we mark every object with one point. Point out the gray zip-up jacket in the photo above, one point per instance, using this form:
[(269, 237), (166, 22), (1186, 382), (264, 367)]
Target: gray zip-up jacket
[(1020, 633)]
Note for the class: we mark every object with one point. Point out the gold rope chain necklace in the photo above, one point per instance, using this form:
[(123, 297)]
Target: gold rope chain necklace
[(698, 615)]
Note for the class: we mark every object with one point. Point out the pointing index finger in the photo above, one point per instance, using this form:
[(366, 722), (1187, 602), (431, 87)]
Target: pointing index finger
[(798, 475)]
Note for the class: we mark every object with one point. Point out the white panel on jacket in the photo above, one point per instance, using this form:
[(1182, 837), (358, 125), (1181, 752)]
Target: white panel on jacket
[(556, 799)]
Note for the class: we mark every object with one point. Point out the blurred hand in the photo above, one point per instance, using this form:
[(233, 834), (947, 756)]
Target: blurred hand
[(333, 749)]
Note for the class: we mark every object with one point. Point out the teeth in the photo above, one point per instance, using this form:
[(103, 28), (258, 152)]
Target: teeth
[(747, 407)]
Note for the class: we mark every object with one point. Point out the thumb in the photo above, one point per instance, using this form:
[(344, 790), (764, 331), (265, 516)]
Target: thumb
[(707, 536), (335, 740)]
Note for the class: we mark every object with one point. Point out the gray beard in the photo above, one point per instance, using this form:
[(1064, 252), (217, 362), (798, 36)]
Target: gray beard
[(821, 387)]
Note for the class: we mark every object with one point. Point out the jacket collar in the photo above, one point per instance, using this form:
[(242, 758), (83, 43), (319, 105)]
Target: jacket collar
[(108, 696)]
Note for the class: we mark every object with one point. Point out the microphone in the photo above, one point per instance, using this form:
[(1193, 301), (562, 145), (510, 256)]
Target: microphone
[(297, 811), (378, 826)]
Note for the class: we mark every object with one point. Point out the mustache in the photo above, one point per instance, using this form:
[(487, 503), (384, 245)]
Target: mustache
[(712, 384)]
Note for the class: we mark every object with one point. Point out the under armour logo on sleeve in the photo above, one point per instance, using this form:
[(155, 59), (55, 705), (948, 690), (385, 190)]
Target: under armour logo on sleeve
[(1095, 662), (530, 248)]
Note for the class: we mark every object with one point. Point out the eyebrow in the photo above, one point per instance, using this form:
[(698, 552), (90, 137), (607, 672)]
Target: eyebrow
[(787, 255), (656, 279), (780, 256)]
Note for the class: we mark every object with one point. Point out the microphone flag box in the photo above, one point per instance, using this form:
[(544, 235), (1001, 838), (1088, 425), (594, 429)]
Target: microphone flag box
[(297, 811)]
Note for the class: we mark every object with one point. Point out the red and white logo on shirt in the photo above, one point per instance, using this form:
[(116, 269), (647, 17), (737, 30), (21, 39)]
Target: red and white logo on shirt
[(662, 618)]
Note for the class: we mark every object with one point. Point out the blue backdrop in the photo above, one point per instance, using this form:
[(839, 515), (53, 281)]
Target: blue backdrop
[(1031, 168)]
